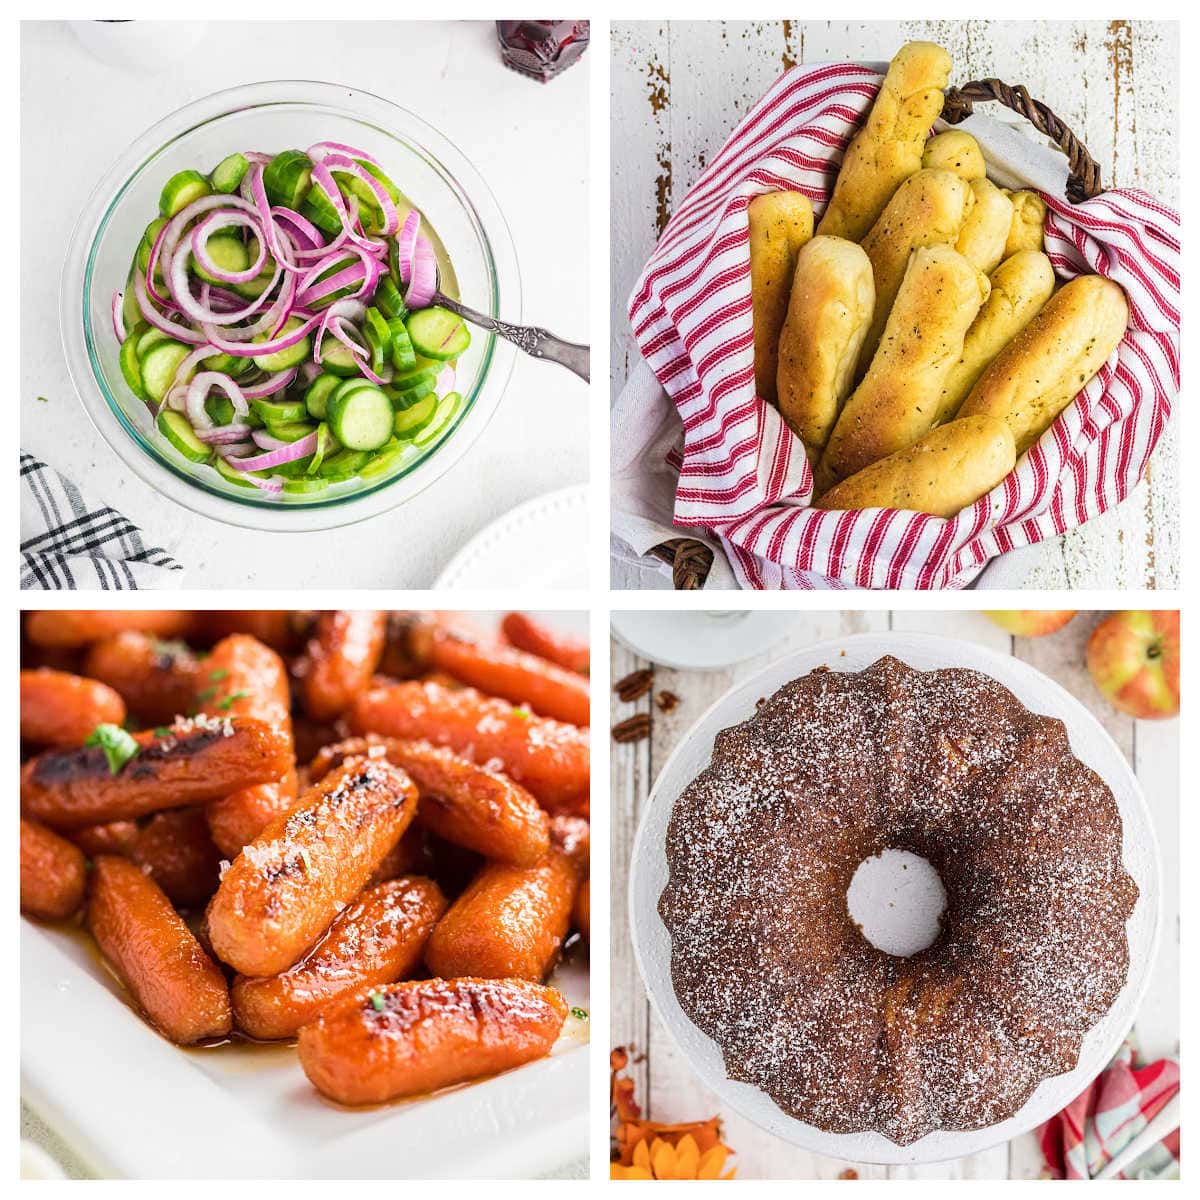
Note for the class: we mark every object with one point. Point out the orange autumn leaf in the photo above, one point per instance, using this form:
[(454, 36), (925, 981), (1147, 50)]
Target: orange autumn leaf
[(655, 1150)]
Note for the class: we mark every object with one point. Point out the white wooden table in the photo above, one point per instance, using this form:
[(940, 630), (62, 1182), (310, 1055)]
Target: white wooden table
[(679, 88), (529, 143), (666, 1086)]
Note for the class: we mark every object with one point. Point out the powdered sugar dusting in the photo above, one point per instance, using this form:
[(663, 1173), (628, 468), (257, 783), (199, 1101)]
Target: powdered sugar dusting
[(835, 768)]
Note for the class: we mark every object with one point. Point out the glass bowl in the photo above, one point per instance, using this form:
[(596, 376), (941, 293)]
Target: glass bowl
[(431, 172)]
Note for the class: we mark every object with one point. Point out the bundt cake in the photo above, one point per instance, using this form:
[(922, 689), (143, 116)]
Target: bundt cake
[(833, 769)]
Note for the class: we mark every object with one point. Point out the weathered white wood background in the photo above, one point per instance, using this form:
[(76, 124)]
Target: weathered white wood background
[(666, 1086), (679, 88)]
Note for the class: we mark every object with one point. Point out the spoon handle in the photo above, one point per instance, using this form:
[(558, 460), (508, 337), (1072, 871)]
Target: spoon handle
[(535, 341)]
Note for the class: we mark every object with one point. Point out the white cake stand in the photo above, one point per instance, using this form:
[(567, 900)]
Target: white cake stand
[(1090, 743)]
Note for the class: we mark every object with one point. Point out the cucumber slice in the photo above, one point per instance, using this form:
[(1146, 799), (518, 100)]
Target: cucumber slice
[(337, 359), (361, 418), (226, 364), (345, 464), (296, 469), (318, 208), (219, 407), (291, 431), (384, 461), (447, 407), (178, 431), (388, 299), (279, 412), (280, 360), (180, 190), (146, 245), (306, 485), (404, 378), (413, 391), (287, 177), (228, 252), (159, 366), (379, 338), (131, 368), (405, 424), (228, 174), (130, 313), (148, 337), (234, 476), (325, 445), (438, 333), (404, 357), (316, 398)]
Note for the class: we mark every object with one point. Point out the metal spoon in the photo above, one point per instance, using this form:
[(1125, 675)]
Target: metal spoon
[(535, 341)]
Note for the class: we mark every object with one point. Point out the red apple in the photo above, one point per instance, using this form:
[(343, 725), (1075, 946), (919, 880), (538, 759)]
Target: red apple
[(1031, 622), (1134, 661)]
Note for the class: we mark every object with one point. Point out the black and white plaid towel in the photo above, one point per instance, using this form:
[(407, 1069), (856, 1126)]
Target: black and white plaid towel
[(69, 541)]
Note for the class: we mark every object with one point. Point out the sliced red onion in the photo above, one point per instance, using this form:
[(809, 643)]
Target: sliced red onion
[(270, 385), (423, 285), (241, 349), (406, 244), (176, 395), (153, 317), (303, 229), (225, 220), (118, 317), (179, 282), (256, 157), (309, 371), (224, 435), (386, 205), (276, 458), (445, 381), (319, 151), (323, 178), (198, 391), (263, 207), (235, 449), (266, 441)]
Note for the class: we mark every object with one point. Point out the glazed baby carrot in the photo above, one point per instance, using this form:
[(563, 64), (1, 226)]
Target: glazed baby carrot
[(70, 628), (176, 850), (525, 633), (406, 1038), (244, 678), (282, 631), (469, 805), (52, 873), (180, 989), (340, 660), (513, 675), (409, 856), (549, 758), (378, 939), (59, 709), (512, 921), (193, 761), (285, 888), (115, 837), (157, 679)]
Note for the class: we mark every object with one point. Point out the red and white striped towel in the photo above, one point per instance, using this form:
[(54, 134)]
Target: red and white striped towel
[(744, 475)]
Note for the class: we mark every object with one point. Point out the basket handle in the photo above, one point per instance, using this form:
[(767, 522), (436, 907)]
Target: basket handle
[(689, 560), (1084, 180)]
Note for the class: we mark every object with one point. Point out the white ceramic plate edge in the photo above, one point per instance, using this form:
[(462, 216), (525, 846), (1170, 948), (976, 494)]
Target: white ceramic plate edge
[(925, 651)]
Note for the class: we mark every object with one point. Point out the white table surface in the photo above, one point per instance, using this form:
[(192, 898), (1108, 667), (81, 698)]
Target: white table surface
[(530, 143), (666, 1087), (680, 87)]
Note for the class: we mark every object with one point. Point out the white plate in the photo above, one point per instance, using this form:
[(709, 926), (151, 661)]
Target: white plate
[(539, 544), (132, 1105), (1090, 743), (701, 641)]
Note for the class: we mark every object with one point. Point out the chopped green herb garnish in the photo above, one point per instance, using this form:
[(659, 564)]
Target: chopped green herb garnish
[(217, 675), (580, 1014), (43, 400), (118, 746), (523, 713), (205, 695), (229, 701), (376, 999), (162, 731)]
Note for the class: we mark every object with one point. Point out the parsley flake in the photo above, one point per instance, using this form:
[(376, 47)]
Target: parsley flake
[(580, 1014), (117, 744), (229, 701)]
